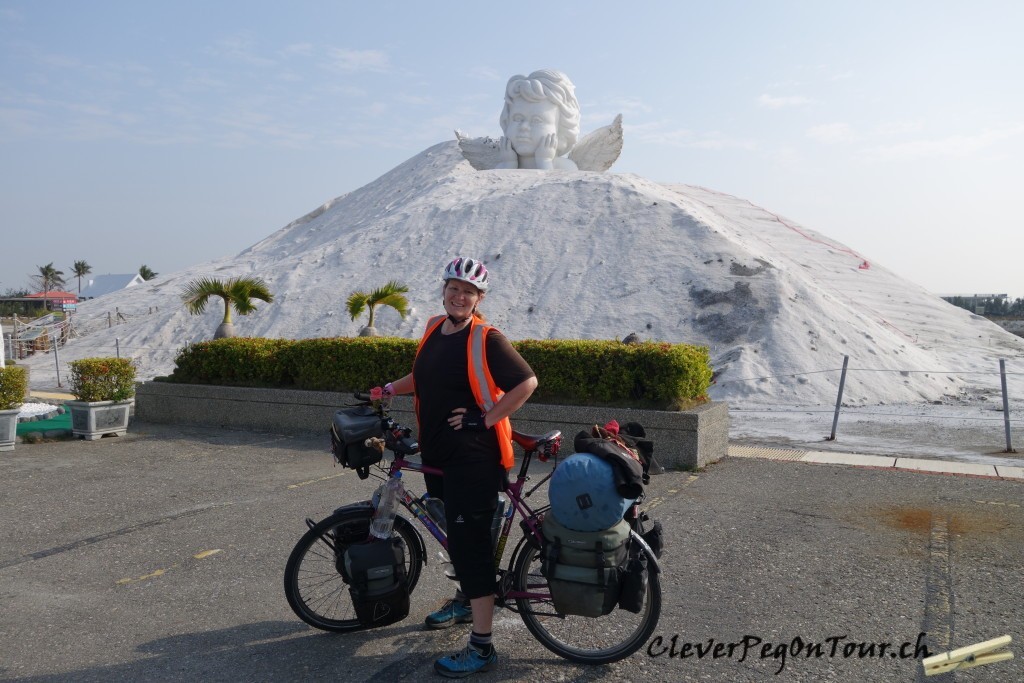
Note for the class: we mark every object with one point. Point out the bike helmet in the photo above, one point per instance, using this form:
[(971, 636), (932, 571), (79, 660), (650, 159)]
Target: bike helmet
[(468, 270)]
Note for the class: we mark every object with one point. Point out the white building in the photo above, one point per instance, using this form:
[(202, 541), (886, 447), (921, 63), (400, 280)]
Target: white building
[(105, 284)]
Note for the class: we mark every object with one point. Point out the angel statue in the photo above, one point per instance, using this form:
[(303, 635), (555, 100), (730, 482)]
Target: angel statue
[(541, 122)]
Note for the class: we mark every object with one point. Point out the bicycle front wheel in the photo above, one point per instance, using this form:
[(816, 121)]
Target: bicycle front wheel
[(316, 590), (587, 640)]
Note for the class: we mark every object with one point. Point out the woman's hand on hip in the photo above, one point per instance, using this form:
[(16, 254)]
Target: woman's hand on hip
[(470, 419)]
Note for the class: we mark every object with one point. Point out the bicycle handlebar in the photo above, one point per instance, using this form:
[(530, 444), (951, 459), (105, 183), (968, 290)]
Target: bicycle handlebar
[(397, 439)]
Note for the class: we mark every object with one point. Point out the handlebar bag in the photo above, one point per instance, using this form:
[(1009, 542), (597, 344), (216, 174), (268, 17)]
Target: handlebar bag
[(350, 429), (376, 570)]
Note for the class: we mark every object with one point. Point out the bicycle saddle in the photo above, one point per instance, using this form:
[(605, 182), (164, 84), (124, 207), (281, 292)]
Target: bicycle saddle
[(534, 442)]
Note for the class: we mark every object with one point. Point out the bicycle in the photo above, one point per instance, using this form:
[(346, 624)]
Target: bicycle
[(317, 590)]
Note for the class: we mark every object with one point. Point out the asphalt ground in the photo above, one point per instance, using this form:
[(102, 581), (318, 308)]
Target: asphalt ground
[(158, 556)]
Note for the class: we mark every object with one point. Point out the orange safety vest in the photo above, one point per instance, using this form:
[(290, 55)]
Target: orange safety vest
[(485, 392)]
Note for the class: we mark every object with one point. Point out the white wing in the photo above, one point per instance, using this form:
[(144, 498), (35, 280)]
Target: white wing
[(481, 153), (598, 150)]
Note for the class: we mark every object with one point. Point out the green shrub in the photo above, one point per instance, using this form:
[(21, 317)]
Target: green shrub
[(590, 372), (102, 379), (13, 387), (348, 363), (236, 361), (581, 372)]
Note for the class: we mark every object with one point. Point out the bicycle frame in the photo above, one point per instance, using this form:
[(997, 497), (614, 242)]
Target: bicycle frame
[(517, 505)]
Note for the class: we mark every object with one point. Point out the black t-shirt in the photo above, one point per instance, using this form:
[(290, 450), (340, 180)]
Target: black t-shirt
[(441, 375)]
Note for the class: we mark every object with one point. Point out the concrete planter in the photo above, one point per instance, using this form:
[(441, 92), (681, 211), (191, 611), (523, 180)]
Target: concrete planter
[(8, 428), (682, 440), (93, 420)]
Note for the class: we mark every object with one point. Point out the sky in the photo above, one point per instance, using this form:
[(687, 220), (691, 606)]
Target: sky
[(174, 133)]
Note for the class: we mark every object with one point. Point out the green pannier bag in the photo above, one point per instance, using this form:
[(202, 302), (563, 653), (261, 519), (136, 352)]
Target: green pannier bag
[(584, 568)]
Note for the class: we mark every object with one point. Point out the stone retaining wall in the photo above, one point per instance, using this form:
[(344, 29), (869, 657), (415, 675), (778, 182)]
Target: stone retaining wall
[(682, 440)]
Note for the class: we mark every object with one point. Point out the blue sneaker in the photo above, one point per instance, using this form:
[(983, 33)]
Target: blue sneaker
[(453, 612), (465, 662)]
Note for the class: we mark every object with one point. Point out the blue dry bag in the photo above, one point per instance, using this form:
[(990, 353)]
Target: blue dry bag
[(583, 495)]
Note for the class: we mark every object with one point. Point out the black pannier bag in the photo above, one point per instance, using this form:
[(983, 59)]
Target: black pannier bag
[(349, 431), (634, 576), (584, 568), (634, 580), (377, 582), (654, 537)]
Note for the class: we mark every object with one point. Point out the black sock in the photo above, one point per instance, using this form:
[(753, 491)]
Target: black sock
[(481, 642)]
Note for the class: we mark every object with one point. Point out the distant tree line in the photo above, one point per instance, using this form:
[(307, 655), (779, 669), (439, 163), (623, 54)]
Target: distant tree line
[(996, 306)]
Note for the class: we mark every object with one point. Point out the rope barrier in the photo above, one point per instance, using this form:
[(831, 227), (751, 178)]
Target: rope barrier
[(851, 411), (818, 372), (795, 374)]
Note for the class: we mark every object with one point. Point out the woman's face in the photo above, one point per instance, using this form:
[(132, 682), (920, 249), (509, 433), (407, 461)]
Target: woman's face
[(461, 298)]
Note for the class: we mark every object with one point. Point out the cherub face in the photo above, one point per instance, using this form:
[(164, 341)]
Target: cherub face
[(528, 123)]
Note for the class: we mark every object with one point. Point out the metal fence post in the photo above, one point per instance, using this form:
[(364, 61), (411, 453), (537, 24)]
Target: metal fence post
[(1006, 406), (839, 399), (117, 345), (56, 360)]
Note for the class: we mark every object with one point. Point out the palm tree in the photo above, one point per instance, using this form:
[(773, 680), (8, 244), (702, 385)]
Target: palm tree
[(48, 278), (237, 293), (391, 294), (146, 272), (81, 269)]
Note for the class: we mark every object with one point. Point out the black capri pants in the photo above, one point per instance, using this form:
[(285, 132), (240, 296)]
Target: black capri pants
[(469, 489)]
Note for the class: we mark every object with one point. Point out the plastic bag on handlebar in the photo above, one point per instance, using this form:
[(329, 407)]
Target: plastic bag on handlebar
[(350, 429)]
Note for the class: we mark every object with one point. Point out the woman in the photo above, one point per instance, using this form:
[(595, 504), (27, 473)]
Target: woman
[(467, 380)]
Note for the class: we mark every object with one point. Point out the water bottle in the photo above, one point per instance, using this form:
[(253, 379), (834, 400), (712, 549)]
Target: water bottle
[(435, 508), (447, 566), (387, 508)]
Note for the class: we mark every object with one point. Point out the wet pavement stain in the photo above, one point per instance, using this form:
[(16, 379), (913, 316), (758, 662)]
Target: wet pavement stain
[(920, 520)]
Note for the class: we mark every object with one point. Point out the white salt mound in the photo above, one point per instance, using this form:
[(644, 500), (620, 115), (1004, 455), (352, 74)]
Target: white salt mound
[(592, 256)]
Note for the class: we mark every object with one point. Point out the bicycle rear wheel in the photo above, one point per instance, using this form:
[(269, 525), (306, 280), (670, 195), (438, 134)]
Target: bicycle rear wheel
[(588, 640), (316, 590)]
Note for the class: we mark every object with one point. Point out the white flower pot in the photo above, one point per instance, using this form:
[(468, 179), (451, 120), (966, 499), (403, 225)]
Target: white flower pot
[(92, 420), (8, 428)]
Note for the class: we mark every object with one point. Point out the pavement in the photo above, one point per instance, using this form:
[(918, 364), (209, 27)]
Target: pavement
[(880, 461), (50, 395), (158, 556)]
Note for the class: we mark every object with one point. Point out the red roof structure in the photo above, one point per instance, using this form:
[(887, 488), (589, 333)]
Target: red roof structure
[(62, 297)]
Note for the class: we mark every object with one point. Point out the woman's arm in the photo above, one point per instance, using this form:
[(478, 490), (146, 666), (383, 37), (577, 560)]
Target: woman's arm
[(509, 403), (402, 386)]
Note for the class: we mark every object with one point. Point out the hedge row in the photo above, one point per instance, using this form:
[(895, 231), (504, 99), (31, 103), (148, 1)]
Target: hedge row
[(577, 372)]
